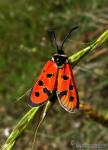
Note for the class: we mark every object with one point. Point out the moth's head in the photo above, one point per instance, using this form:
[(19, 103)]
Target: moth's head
[(54, 42), (60, 59)]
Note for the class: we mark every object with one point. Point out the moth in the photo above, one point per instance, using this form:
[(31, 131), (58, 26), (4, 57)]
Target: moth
[(57, 79)]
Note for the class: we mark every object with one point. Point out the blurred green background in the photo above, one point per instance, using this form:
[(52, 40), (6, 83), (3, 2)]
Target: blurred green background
[(25, 48)]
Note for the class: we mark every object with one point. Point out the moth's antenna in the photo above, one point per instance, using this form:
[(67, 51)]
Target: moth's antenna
[(68, 35), (52, 36)]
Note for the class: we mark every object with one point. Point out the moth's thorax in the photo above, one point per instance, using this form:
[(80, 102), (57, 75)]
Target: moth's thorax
[(59, 59)]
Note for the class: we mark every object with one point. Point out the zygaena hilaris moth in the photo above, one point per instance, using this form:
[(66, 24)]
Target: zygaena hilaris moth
[(56, 78)]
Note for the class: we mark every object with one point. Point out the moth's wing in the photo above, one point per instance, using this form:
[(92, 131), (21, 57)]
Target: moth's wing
[(45, 84), (66, 89)]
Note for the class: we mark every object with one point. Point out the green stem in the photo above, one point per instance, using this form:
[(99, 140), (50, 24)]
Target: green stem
[(22, 124), (74, 59)]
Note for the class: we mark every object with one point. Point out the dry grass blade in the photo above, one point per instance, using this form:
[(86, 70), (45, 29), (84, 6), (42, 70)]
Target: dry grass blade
[(27, 118), (45, 111), (93, 114)]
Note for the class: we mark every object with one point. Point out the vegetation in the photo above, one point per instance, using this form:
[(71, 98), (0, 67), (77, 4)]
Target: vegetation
[(25, 48)]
